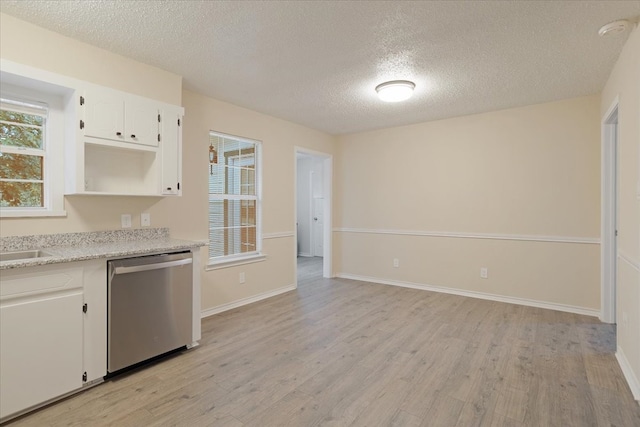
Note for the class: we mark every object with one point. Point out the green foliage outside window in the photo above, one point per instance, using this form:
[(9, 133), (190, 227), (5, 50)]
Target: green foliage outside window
[(21, 174)]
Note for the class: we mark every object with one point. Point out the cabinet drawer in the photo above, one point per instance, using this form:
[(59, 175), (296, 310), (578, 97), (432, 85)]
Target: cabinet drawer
[(39, 280)]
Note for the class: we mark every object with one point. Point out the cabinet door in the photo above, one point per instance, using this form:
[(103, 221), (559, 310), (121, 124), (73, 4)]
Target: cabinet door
[(41, 350), (141, 122), (95, 319), (104, 115), (171, 147)]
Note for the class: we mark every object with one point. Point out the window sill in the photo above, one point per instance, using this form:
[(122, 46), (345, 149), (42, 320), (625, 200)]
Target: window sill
[(226, 263), (10, 213)]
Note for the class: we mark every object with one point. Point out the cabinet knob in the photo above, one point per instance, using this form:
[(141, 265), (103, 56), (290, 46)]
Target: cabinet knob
[(169, 188), (133, 136), (119, 133)]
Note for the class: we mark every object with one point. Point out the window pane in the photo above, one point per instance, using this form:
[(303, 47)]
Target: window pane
[(21, 136), (248, 239), (247, 155), (233, 213), (21, 166), (231, 151), (233, 221), (214, 141), (247, 185), (25, 118), (216, 243), (233, 180), (217, 179), (21, 194), (232, 227), (216, 214), (248, 212)]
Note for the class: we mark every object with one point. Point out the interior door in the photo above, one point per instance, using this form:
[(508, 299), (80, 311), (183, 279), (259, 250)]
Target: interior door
[(318, 226)]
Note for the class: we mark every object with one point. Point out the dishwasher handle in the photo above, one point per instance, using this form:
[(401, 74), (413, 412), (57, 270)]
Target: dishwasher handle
[(147, 267)]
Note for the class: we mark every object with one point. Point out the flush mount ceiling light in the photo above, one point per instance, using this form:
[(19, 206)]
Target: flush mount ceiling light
[(395, 90), (613, 28)]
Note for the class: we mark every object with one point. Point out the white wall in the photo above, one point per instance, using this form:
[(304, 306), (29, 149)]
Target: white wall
[(624, 83)]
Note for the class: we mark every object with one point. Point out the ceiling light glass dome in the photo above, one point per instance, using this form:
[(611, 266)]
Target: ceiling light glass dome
[(395, 90)]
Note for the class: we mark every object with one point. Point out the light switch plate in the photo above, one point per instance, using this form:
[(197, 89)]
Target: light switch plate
[(125, 220), (145, 219)]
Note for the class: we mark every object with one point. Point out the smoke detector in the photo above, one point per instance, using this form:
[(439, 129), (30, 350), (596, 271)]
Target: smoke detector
[(613, 28)]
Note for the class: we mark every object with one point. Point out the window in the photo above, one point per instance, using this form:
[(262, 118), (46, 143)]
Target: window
[(234, 198), (32, 132), (22, 155)]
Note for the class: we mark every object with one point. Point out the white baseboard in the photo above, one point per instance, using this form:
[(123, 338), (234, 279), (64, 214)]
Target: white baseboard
[(244, 301), (629, 375), (480, 295)]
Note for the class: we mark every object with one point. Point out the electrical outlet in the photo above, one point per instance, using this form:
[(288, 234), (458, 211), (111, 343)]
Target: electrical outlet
[(484, 273), (241, 277), (125, 220), (145, 219), (396, 262)]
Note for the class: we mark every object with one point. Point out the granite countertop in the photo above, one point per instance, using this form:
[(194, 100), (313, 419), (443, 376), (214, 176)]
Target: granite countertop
[(93, 245)]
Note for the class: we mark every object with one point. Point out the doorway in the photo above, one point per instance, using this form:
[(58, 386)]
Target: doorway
[(609, 226), (313, 172)]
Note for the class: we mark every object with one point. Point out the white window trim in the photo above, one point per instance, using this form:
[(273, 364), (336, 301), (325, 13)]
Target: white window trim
[(53, 156), (227, 261)]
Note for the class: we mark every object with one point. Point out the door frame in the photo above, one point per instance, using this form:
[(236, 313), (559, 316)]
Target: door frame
[(327, 187), (609, 210)]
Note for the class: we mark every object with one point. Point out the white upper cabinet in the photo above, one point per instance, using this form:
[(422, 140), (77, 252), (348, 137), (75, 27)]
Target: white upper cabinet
[(171, 151), (114, 143), (142, 119), (115, 116), (124, 145)]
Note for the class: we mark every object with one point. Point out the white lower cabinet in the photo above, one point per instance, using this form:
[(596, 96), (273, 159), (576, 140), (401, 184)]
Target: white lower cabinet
[(44, 333), (42, 359)]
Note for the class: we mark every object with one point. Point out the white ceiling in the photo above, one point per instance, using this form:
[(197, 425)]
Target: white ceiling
[(317, 62)]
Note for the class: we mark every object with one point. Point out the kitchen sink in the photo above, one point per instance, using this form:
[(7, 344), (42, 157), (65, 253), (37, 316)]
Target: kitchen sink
[(20, 255)]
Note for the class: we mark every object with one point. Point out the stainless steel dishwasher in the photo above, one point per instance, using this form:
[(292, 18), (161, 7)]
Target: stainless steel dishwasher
[(150, 306)]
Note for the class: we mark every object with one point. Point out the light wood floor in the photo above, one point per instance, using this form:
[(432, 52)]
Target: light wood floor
[(342, 352)]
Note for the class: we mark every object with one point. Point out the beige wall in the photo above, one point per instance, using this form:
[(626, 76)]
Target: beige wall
[(28, 44), (530, 173), (187, 216), (624, 83)]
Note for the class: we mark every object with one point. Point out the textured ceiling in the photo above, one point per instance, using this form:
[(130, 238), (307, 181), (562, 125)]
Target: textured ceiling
[(317, 62)]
